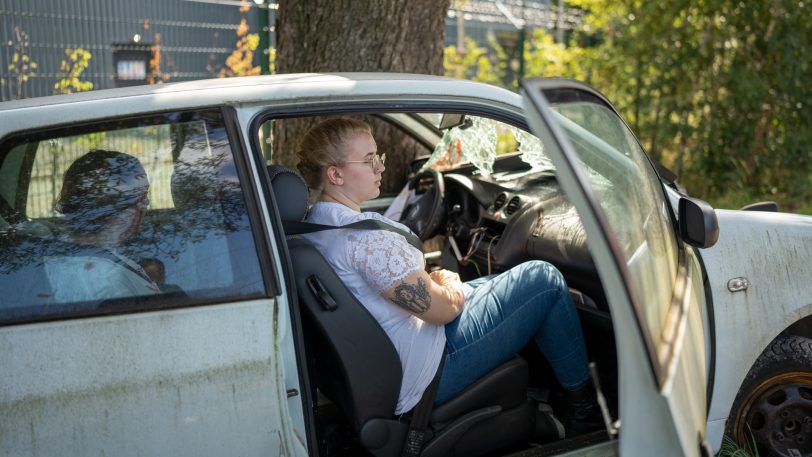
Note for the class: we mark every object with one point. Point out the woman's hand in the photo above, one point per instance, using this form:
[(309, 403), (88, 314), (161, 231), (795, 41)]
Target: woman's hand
[(443, 276), (451, 281)]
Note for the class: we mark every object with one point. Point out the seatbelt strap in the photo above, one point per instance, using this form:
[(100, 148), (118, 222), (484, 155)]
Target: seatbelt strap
[(299, 228), (421, 415)]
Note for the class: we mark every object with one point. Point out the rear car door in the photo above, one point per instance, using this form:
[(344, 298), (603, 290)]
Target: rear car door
[(91, 366), (652, 280)]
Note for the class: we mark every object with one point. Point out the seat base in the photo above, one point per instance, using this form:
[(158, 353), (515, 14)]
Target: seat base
[(491, 413), (505, 385), (495, 430)]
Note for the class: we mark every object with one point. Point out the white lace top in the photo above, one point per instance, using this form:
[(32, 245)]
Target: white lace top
[(369, 262)]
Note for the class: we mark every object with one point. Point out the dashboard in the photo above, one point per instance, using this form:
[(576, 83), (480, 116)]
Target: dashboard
[(513, 215)]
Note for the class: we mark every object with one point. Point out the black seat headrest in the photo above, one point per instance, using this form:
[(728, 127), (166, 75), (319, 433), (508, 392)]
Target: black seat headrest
[(290, 191)]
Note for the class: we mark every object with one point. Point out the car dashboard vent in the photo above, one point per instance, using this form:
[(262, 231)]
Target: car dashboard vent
[(499, 202), (512, 205)]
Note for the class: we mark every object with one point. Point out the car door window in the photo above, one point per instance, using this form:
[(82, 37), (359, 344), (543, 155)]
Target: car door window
[(123, 216), (630, 194)]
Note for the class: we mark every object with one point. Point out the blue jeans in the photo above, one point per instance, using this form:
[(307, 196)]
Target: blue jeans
[(502, 314)]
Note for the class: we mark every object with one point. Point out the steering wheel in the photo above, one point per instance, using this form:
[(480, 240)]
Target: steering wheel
[(424, 210)]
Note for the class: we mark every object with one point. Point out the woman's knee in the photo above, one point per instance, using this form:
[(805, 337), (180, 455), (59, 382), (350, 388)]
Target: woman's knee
[(539, 270)]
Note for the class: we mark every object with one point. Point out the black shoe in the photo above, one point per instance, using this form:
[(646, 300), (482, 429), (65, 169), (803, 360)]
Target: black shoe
[(579, 411)]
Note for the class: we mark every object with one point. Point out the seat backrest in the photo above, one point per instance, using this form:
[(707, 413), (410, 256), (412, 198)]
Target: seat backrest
[(26, 290), (24, 246), (355, 362)]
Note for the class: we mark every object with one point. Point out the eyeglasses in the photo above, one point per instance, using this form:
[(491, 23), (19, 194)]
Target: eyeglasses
[(373, 161)]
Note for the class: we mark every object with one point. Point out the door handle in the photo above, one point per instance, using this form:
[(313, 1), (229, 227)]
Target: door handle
[(326, 300)]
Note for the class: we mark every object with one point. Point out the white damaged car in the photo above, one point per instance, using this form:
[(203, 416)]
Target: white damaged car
[(697, 320)]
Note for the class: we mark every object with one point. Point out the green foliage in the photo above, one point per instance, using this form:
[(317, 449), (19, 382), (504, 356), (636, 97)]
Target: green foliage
[(77, 61), (240, 62), (21, 67), (272, 60), (156, 74), (476, 63), (544, 57), (91, 141), (716, 90)]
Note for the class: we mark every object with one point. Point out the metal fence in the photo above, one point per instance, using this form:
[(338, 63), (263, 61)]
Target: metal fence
[(484, 18), (151, 145), (194, 38)]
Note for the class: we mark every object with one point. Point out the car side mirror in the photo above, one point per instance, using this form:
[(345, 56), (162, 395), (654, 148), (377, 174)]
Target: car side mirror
[(698, 225)]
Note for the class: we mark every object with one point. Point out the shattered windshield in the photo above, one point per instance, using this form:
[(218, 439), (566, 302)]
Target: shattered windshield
[(478, 141)]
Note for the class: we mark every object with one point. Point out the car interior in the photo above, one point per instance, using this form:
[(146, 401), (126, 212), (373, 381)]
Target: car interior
[(483, 198)]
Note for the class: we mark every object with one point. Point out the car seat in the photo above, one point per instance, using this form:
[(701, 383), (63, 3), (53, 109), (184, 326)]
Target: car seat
[(354, 363)]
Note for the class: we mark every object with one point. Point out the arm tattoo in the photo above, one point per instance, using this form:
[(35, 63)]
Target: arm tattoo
[(413, 298)]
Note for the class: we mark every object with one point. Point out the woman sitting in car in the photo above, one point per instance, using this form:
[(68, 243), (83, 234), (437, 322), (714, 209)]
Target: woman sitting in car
[(481, 323)]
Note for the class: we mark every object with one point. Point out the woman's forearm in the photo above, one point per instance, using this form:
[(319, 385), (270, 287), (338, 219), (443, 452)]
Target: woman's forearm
[(437, 301)]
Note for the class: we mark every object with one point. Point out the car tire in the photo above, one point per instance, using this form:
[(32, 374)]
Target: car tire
[(773, 408)]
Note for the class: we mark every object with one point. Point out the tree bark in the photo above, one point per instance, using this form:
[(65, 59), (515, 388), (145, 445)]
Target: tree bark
[(361, 35), (358, 35)]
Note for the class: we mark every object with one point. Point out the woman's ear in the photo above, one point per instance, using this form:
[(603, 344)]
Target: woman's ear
[(334, 176)]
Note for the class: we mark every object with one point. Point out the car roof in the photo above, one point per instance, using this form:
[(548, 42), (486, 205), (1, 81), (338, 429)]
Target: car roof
[(60, 109)]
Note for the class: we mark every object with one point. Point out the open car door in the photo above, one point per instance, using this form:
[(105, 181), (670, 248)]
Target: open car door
[(651, 278)]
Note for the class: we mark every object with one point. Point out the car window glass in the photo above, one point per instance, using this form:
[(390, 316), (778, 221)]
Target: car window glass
[(480, 140), (126, 216), (629, 192)]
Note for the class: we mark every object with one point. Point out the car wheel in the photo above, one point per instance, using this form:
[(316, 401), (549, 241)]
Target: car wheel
[(773, 408)]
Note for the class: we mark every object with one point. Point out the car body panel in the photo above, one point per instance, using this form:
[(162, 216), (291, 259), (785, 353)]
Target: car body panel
[(193, 381), (292, 90), (748, 320), (285, 343), (687, 379)]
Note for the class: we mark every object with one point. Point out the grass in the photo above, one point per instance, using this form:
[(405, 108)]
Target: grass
[(731, 449)]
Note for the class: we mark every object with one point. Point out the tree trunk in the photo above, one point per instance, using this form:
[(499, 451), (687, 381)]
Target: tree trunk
[(358, 35)]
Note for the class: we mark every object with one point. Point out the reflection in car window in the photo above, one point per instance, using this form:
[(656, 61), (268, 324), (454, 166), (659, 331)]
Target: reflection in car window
[(127, 216), (103, 198), (631, 197)]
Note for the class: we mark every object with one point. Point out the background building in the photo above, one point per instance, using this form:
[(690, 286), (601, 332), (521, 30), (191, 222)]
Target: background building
[(130, 42), (482, 20), (154, 41)]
